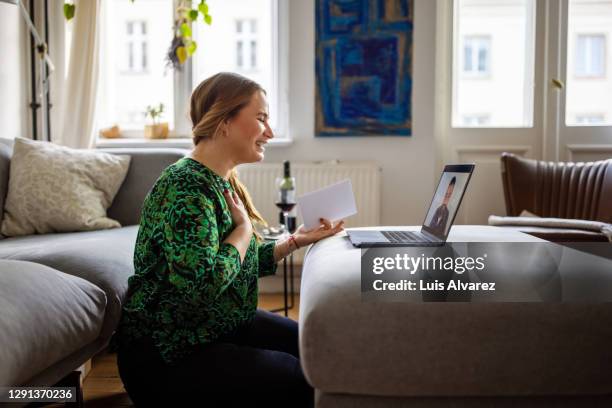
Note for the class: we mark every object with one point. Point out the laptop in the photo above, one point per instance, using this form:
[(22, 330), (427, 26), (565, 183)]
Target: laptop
[(438, 221)]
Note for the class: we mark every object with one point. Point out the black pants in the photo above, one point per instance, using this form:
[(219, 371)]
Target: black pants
[(259, 364)]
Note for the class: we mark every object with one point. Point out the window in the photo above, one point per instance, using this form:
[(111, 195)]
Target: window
[(132, 64), (246, 45), (590, 55), (476, 120), (239, 54), (589, 88), (505, 75), (136, 40), (590, 119), (243, 38), (533, 96), (477, 55)]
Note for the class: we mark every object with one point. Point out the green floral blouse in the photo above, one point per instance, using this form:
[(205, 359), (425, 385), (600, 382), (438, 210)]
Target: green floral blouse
[(189, 286)]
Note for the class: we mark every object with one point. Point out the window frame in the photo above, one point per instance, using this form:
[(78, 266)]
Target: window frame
[(180, 135), (588, 75)]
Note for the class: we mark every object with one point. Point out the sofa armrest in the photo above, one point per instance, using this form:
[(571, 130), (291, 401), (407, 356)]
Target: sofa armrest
[(145, 167), (548, 222)]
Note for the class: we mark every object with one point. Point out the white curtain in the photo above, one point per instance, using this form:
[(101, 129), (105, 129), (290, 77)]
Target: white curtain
[(14, 77), (57, 52), (78, 101)]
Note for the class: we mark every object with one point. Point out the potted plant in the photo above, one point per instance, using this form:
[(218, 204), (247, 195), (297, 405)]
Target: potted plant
[(155, 130)]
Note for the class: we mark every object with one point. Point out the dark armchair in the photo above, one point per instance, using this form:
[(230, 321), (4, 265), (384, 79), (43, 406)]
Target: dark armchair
[(565, 190)]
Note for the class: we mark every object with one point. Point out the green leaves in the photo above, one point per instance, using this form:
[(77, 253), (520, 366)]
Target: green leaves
[(185, 30), (203, 7), (191, 47), (69, 10), (154, 111)]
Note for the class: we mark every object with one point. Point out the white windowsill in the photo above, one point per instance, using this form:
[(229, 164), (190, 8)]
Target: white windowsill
[(172, 142)]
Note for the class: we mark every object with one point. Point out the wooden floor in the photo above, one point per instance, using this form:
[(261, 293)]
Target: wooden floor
[(103, 387)]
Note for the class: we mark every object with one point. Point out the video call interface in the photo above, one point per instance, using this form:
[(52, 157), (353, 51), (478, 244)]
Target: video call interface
[(446, 202)]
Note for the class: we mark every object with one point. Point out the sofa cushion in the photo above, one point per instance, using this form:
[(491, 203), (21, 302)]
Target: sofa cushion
[(350, 346), (46, 315), (103, 258), (58, 189), (145, 167)]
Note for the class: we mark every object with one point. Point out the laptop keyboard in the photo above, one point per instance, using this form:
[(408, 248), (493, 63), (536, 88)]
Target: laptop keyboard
[(406, 236)]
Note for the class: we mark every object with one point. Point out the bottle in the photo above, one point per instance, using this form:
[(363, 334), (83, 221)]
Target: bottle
[(291, 216), (287, 186), (286, 189), (286, 197)]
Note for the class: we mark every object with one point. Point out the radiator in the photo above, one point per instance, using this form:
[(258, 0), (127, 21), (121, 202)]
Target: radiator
[(365, 177)]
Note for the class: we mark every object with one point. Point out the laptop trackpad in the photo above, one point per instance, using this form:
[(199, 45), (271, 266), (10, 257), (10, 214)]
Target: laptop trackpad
[(367, 236)]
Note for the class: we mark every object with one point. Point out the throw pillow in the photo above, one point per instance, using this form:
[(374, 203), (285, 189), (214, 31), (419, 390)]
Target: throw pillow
[(58, 189)]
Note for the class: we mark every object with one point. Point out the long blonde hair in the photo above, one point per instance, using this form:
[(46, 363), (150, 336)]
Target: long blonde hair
[(214, 101)]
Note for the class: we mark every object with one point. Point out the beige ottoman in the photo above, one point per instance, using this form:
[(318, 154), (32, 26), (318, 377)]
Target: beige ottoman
[(404, 354)]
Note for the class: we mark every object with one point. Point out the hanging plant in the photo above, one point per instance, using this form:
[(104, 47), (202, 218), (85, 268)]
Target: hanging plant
[(70, 8), (182, 45)]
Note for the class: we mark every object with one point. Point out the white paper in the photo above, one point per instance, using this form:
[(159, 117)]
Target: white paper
[(335, 202)]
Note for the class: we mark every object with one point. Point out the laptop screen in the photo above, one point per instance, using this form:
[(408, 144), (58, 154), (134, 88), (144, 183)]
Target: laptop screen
[(446, 200)]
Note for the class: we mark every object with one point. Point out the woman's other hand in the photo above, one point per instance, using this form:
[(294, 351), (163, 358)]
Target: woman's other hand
[(305, 237), (240, 217)]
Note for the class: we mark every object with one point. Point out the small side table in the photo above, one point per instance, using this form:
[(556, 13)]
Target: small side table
[(288, 281), (288, 288)]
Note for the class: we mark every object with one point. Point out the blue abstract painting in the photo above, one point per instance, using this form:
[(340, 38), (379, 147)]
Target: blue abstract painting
[(363, 67)]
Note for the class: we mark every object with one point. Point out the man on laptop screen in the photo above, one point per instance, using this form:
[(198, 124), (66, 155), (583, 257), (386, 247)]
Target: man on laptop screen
[(438, 221)]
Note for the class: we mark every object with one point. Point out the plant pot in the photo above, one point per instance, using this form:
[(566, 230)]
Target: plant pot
[(156, 131), (112, 132)]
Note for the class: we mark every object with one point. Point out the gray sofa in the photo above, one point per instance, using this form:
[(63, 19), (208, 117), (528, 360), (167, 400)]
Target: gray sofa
[(61, 294)]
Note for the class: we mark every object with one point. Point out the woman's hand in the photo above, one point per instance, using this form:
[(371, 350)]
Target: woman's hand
[(305, 237), (237, 209)]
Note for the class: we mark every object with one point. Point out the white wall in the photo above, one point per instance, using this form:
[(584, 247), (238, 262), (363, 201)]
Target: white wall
[(13, 109), (408, 163)]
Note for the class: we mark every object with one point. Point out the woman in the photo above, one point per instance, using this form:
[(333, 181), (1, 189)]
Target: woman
[(190, 330)]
